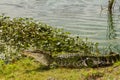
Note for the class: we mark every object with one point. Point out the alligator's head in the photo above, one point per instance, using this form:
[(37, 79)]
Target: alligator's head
[(44, 58)]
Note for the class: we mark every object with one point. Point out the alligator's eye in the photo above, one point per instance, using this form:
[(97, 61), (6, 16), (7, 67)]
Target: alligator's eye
[(89, 62)]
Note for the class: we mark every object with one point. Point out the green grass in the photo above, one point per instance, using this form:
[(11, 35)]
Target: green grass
[(28, 69)]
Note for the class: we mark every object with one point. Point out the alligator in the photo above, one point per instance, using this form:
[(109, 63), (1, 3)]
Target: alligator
[(73, 60)]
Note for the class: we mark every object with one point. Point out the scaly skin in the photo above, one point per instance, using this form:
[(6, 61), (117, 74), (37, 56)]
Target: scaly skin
[(73, 60)]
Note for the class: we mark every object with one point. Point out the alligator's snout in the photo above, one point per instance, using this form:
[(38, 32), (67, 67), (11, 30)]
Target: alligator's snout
[(40, 56)]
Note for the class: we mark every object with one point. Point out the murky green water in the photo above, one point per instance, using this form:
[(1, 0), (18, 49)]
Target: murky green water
[(80, 17)]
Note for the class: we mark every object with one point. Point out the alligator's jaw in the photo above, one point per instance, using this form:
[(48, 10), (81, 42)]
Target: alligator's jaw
[(44, 59)]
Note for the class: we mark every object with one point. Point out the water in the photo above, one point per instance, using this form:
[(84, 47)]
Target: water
[(80, 17)]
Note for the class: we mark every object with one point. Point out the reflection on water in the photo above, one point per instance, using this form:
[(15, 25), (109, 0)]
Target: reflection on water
[(111, 28), (111, 32), (80, 17)]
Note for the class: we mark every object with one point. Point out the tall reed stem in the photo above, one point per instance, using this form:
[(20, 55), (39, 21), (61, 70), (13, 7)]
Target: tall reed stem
[(110, 6)]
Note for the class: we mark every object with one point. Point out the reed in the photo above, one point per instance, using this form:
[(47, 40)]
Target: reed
[(110, 5)]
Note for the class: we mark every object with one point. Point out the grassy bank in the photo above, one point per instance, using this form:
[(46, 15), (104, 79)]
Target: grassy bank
[(28, 69)]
